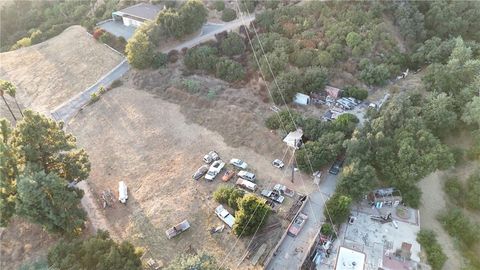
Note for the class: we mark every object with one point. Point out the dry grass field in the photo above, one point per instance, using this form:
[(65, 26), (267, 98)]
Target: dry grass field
[(49, 73)]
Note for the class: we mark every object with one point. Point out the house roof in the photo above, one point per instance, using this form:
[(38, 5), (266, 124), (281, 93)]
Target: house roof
[(293, 138), (349, 259), (143, 11), (332, 91), (301, 99)]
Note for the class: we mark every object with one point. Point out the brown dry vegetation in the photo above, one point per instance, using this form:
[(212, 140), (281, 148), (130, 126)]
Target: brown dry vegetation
[(51, 72)]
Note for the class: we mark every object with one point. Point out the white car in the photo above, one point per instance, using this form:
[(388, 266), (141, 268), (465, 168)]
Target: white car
[(246, 175), (238, 163), (211, 156), (277, 163), (215, 169), (225, 216)]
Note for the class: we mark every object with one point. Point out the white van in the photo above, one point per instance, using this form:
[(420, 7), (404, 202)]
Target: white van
[(122, 192), (246, 184), (246, 175)]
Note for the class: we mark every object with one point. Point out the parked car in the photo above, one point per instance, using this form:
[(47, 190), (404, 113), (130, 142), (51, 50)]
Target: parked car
[(274, 195), (277, 163), (297, 224), (211, 156), (228, 175), (246, 175), (214, 169), (335, 169), (225, 216), (177, 229), (238, 163), (246, 184), (200, 172)]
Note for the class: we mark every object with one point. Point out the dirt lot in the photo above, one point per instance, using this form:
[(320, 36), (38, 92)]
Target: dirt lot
[(155, 145), (50, 73)]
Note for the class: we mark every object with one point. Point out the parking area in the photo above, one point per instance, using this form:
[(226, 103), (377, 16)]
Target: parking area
[(118, 29), (293, 250)]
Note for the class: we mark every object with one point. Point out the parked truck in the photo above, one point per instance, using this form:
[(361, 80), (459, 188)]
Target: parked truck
[(177, 229), (246, 184), (122, 192)]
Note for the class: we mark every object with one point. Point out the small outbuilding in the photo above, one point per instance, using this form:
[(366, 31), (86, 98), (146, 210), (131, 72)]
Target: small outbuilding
[(333, 92), (349, 259), (301, 99), (294, 138)]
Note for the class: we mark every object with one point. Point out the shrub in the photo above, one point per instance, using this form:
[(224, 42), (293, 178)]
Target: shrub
[(219, 5), (289, 83), (327, 229), (373, 74), (273, 122), (228, 195), (232, 45), (473, 191), (459, 226), (98, 33), (107, 38), (454, 190), (116, 83), (139, 50), (435, 256), (36, 36), (247, 5), (302, 58), (325, 59), (229, 70), (159, 60), (191, 86), (228, 15), (172, 56), (355, 92), (278, 61), (203, 58), (314, 79), (337, 208), (251, 215), (94, 97)]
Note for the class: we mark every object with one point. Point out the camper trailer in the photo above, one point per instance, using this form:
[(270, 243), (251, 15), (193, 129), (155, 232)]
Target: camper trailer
[(122, 192)]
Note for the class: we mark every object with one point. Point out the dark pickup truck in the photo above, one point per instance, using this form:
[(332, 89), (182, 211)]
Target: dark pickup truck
[(335, 169)]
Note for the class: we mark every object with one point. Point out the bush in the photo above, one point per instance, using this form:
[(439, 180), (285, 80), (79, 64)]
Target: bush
[(139, 50), (284, 120), (273, 122), (191, 86), (203, 58), (251, 216), (473, 191), (116, 83), (373, 74), (325, 59), (327, 229), (278, 61), (314, 79), (337, 208), (94, 97), (219, 5), (435, 256), (454, 190), (229, 70), (289, 83), (228, 195), (355, 92), (228, 15), (159, 60), (302, 58), (248, 5), (459, 226), (232, 45)]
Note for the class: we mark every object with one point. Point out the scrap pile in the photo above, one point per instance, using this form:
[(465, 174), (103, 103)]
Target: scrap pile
[(107, 198)]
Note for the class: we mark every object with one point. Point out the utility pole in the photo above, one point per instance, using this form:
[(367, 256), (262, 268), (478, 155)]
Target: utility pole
[(293, 160)]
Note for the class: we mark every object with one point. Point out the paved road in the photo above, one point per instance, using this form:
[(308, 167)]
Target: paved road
[(293, 250), (68, 109), (212, 31)]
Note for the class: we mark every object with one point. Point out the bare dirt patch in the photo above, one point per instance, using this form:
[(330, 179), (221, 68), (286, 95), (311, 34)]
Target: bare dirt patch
[(49, 73), (150, 144), (22, 241)]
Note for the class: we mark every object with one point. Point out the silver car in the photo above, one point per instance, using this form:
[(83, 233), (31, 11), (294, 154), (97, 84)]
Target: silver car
[(200, 172)]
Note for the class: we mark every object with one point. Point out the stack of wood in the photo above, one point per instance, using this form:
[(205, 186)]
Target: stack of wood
[(107, 198)]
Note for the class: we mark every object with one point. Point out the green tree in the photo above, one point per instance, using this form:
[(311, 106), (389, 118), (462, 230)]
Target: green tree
[(139, 50), (2, 94), (252, 215), (45, 199), (289, 83), (11, 90), (355, 92), (201, 261), (229, 15), (458, 225), (8, 174), (96, 252), (473, 191), (302, 58), (203, 58), (337, 208), (357, 179), (285, 119), (319, 153), (325, 59), (232, 45), (229, 70), (247, 5), (435, 256), (373, 74), (471, 114), (228, 195), (314, 79), (193, 14), (171, 22), (353, 40), (42, 141), (219, 5), (439, 113), (272, 63)]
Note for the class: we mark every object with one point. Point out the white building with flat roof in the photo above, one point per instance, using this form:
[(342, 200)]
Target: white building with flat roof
[(138, 14), (349, 259)]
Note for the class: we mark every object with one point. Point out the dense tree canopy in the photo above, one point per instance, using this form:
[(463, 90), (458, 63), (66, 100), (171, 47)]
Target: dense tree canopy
[(96, 252), (252, 215), (186, 20), (139, 50)]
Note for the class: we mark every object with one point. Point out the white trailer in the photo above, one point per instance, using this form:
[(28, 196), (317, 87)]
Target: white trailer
[(122, 192)]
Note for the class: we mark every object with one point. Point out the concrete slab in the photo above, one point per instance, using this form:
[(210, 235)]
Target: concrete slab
[(118, 29)]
